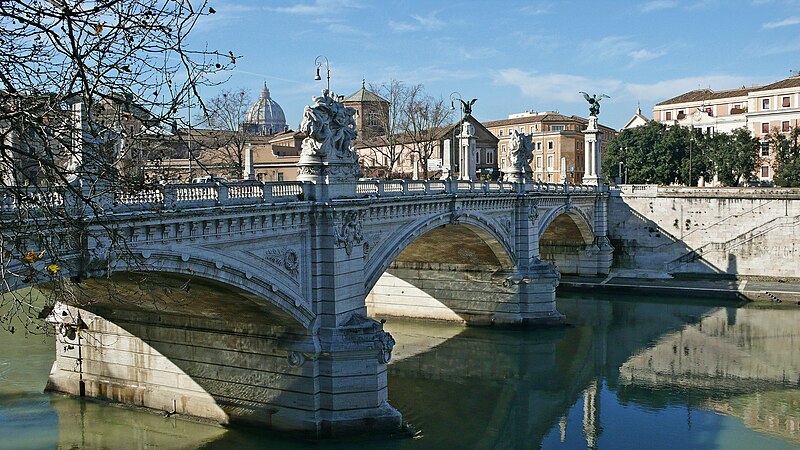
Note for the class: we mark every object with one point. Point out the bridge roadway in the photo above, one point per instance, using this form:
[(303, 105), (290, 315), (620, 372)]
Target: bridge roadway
[(261, 289)]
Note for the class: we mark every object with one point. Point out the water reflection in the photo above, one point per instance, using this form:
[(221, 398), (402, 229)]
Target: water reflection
[(625, 374)]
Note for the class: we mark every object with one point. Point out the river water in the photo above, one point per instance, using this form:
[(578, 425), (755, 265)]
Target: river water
[(627, 372)]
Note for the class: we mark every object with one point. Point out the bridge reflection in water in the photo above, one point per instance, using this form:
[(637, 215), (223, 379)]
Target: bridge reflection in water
[(625, 374)]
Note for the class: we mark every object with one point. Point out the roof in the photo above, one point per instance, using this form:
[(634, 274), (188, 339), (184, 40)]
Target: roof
[(709, 94), (365, 96), (544, 117), (787, 83)]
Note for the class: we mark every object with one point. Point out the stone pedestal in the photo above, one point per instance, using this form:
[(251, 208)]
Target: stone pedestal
[(447, 160), (468, 153), (592, 154)]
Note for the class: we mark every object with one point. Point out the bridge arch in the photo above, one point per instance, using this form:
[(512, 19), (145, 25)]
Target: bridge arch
[(578, 216), (566, 239), (483, 228), (268, 285), (444, 269)]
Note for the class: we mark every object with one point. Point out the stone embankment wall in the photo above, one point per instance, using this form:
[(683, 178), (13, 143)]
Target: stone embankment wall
[(727, 231)]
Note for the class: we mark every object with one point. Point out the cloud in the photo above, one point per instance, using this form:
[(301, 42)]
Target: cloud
[(560, 87), (666, 89), (554, 87), (535, 10), (644, 54), (656, 5), (781, 23), (617, 47), (429, 22), (318, 7)]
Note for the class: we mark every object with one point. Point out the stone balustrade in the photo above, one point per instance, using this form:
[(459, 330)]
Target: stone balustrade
[(198, 195)]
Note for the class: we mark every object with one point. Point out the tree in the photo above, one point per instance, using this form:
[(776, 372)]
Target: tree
[(84, 87), (655, 153), (225, 114), (384, 140), (425, 116), (787, 157), (733, 155)]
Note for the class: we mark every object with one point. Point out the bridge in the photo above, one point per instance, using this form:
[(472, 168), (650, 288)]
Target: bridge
[(250, 302)]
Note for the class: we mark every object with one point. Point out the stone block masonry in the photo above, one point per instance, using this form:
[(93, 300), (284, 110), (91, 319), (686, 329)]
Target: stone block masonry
[(746, 232)]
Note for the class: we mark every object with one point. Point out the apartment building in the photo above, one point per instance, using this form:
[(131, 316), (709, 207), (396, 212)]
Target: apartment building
[(761, 109), (558, 143)]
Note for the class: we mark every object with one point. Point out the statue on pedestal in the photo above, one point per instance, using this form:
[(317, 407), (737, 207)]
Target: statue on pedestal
[(520, 155), (328, 148), (594, 102)]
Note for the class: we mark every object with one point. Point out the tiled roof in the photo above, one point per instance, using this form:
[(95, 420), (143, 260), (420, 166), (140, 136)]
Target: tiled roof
[(546, 117), (364, 95), (700, 95), (787, 83), (708, 94)]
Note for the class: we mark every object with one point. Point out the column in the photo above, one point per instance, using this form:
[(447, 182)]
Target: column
[(592, 157), (467, 151)]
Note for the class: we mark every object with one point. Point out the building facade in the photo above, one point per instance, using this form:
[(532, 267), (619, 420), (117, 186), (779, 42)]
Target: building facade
[(558, 143), (772, 108)]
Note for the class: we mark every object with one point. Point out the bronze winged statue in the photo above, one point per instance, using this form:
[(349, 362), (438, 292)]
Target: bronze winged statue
[(468, 106), (594, 102)]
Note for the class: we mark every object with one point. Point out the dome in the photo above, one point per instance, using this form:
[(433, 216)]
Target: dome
[(265, 116)]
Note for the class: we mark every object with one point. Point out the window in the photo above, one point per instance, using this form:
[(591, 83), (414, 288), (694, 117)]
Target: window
[(765, 171), (539, 163), (785, 126), (509, 131), (709, 111), (764, 103), (764, 148), (522, 130), (765, 128), (550, 162), (786, 102), (538, 146), (280, 176), (556, 127), (477, 157), (489, 157), (373, 120), (503, 148), (549, 145), (668, 115), (500, 133)]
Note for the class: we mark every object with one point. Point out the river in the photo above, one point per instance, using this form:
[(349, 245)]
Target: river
[(626, 372)]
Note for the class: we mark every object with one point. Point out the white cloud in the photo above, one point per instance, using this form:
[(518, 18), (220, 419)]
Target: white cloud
[(656, 5), (615, 47), (559, 87), (535, 10), (782, 23), (429, 22), (554, 87), (644, 54), (666, 89), (318, 7)]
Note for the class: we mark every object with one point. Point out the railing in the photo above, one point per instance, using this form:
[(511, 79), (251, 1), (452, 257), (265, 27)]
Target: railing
[(30, 199), (389, 188), (183, 196)]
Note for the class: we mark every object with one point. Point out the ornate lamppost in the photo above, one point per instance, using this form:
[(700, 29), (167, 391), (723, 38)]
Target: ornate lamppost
[(318, 61)]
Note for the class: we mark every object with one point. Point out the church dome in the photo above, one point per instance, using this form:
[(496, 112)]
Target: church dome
[(265, 116)]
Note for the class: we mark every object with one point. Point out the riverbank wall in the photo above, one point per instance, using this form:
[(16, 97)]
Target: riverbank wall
[(745, 233)]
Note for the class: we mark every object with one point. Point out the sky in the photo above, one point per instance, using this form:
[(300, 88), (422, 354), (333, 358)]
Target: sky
[(513, 56)]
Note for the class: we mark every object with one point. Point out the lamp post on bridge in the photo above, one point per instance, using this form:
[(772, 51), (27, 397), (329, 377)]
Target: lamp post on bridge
[(318, 62)]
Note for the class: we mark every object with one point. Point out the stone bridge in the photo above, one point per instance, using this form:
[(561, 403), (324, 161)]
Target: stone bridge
[(249, 302)]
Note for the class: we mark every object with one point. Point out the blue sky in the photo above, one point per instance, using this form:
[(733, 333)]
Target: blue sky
[(511, 55)]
